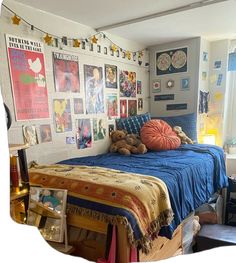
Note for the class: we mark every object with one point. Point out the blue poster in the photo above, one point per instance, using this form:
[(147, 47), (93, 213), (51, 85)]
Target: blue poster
[(171, 61), (232, 62)]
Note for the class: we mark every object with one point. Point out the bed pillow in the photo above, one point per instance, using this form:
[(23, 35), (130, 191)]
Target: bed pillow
[(187, 122), (158, 135), (133, 124)]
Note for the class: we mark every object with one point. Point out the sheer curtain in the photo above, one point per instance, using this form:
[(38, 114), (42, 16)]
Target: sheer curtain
[(230, 103)]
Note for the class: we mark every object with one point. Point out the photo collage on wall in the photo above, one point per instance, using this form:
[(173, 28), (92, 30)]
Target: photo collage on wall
[(168, 63), (71, 100)]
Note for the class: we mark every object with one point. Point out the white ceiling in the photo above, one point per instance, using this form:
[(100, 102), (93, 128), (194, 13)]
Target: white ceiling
[(216, 21)]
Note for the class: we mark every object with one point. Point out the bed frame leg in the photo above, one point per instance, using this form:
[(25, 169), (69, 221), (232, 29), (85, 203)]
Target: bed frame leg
[(123, 246)]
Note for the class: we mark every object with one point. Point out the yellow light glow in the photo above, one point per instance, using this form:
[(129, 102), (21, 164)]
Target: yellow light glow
[(209, 139)]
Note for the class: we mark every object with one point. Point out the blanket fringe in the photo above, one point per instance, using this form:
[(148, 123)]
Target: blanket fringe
[(144, 243)]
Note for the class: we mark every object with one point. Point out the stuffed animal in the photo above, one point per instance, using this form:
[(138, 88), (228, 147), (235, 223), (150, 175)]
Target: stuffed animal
[(183, 137), (134, 139), (120, 144)]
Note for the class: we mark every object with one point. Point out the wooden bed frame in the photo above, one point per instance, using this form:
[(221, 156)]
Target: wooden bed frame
[(162, 247)]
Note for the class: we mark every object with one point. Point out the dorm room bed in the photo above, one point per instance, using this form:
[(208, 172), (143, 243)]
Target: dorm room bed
[(191, 174)]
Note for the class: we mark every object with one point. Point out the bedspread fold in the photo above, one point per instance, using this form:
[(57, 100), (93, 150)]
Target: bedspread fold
[(139, 202)]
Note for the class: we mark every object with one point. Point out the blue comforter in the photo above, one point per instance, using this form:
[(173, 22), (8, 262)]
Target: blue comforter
[(192, 174)]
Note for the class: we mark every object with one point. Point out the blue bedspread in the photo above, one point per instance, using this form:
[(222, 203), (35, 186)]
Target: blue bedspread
[(192, 174)]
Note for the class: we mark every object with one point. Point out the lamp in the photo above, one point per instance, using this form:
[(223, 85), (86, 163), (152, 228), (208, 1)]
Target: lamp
[(209, 139)]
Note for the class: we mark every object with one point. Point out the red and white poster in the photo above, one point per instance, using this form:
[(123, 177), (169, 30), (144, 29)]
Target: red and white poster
[(27, 70)]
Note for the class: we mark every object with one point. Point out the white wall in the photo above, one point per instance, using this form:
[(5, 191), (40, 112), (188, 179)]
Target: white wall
[(219, 51), (158, 108), (58, 149), (204, 82)]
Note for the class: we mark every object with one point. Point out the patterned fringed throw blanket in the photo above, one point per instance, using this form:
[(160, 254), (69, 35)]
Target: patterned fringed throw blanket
[(144, 197)]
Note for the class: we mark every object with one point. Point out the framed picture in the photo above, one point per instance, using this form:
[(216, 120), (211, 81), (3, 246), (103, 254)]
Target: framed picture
[(217, 64), (170, 83), (156, 86), (99, 129), (139, 87), (70, 140), (47, 212), (171, 61), (84, 134), (127, 83), (78, 106), (94, 89), (45, 133), (205, 56), (30, 134), (123, 108), (132, 107), (111, 76), (28, 78), (112, 105), (62, 115), (140, 104), (185, 84)]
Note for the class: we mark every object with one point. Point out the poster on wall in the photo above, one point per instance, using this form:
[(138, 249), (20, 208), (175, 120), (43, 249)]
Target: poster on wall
[(70, 140), (132, 107), (123, 108), (62, 115), (66, 72), (171, 61), (78, 106), (185, 84), (112, 105), (30, 135), (99, 129), (139, 87), (45, 133), (84, 134), (111, 76), (94, 89), (140, 104), (156, 86), (127, 83), (28, 78)]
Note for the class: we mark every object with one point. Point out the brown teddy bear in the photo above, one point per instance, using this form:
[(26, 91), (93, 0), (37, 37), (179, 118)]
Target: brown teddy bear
[(182, 135), (121, 145), (134, 139)]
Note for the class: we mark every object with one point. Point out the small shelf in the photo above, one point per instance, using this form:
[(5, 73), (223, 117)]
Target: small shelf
[(42, 210), (19, 194)]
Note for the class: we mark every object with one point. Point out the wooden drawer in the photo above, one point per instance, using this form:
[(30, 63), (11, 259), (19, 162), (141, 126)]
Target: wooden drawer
[(163, 247)]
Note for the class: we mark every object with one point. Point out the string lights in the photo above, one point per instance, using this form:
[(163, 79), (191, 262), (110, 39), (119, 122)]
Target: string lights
[(49, 39)]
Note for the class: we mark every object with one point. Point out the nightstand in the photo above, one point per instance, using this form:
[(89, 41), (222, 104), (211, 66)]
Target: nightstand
[(231, 203), (231, 164)]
